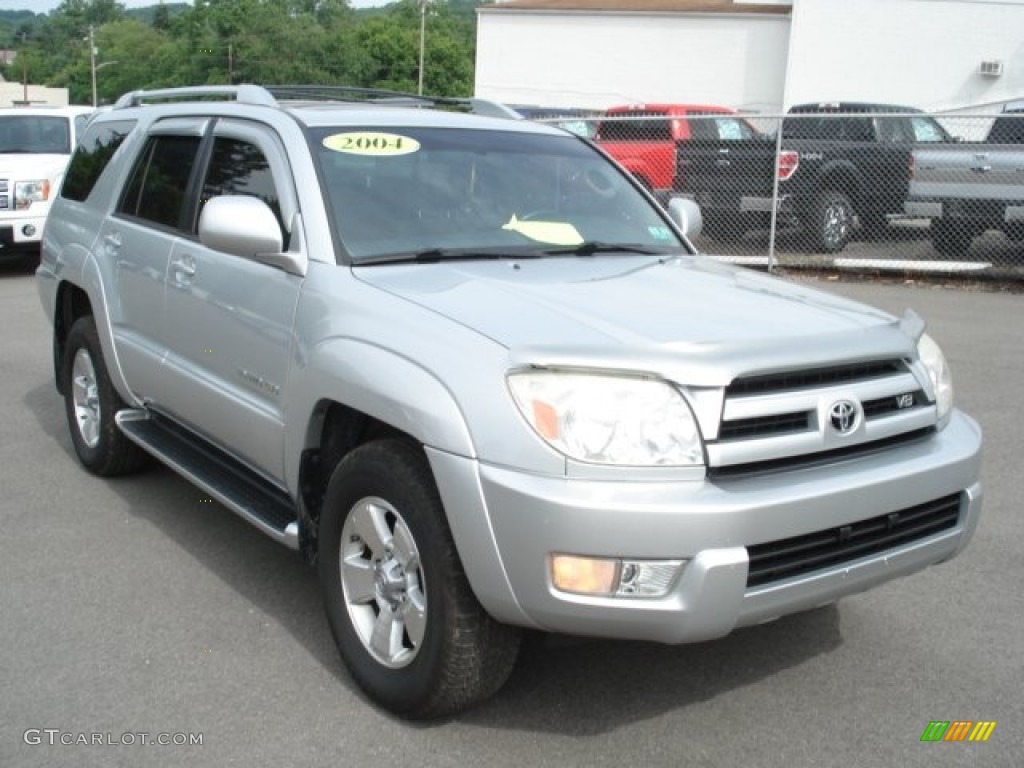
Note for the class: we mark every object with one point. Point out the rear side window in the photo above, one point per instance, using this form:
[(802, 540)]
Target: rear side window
[(92, 156), (159, 180), (635, 126), (927, 130), (240, 168), (720, 129), (828, 128)]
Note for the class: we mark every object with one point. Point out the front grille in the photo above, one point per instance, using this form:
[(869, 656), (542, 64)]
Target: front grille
[(803, 461), (815, 377), (811, 552), (760, 426), (781, 420)]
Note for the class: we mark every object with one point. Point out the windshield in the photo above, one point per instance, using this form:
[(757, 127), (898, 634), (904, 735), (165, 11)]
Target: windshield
[(35, 134), (442, 192)]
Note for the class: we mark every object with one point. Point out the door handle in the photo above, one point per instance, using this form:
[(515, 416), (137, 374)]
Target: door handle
[(184, 268), (113, 240), (981, 168)]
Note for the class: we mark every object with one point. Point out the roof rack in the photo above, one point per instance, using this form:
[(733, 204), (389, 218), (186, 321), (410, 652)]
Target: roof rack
[(248, 94), (272, 95)]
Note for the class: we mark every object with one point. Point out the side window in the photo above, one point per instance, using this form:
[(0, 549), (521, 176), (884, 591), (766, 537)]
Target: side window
[(240, 168), (732, 129), (856, 129), (156, 191), (893, 130), (94, 151), (654, 128)]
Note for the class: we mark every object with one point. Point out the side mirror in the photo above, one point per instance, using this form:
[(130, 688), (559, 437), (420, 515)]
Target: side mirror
[(686, 214), (245, 226)]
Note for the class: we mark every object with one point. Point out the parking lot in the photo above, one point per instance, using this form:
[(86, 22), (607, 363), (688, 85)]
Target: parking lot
[(136, 606)]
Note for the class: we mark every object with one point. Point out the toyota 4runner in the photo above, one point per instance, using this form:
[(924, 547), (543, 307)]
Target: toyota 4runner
[(472, 371)]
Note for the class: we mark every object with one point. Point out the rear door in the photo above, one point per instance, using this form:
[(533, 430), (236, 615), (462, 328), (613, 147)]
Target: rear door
[(137, 239), (725, 161)]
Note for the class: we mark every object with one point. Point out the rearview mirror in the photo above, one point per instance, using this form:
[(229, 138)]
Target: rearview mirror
[(245, 226)]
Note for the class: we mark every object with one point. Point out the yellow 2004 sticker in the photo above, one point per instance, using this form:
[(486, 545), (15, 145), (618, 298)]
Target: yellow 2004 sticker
[(375, 143)]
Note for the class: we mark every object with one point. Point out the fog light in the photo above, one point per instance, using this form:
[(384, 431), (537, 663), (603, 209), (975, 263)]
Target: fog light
[(613, 577), (585, 575), (28, 230), (647, 578)]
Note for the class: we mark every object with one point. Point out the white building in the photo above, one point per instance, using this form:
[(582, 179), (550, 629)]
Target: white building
[(762, 55), (12, 94)]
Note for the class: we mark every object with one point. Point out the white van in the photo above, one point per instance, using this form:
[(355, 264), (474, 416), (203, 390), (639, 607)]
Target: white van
[(35, 147)]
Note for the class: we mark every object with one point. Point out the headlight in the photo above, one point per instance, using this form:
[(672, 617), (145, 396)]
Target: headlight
[(938, 371), (28, 192), (609, 419)]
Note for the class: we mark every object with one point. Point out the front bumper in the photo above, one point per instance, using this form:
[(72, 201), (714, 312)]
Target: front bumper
[(709, 525), (20, 233)]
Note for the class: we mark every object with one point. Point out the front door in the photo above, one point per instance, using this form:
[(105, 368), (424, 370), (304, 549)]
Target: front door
[(228, 319)]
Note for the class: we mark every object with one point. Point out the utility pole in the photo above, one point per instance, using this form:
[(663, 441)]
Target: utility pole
[(423, 39), (231, 67), (24, 71), (92, 61)]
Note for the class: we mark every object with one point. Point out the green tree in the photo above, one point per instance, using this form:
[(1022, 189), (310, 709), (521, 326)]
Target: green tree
[(268, 41)]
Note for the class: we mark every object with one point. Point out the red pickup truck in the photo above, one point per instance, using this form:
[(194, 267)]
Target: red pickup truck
[(648, 139)]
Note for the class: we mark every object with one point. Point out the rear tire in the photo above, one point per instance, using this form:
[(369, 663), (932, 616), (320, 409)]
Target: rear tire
[(91, 402), (828, 222), (407, 624)]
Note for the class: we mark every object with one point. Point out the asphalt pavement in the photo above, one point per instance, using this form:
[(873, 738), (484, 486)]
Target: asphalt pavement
[(134, 611)]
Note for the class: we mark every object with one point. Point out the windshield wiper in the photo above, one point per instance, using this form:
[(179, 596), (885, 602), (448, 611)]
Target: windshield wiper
[(590, 247), (435, 255)]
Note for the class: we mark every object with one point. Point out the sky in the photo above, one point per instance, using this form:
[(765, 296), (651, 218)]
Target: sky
[(44, 6)]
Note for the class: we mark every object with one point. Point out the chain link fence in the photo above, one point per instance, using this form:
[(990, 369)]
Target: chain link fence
[(849, 186)]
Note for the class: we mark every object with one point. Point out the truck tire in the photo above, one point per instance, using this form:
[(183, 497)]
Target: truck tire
[(828, 222), (406, 622), (951, 237), (91, 402)]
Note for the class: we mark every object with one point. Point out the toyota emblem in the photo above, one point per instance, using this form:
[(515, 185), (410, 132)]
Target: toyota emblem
[(843, 416)]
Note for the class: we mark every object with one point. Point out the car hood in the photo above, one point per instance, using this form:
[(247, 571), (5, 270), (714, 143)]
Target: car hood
[(637, 312), (25, 167)]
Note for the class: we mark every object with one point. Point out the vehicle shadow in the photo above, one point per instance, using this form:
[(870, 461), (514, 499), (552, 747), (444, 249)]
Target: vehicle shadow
[(584, 687), (272, 579), (574, 686)]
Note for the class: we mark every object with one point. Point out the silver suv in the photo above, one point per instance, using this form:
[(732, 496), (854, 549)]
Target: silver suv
[(473, 372)]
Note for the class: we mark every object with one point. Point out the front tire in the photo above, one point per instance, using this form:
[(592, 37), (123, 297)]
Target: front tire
[(406, 622), (91, 402)]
